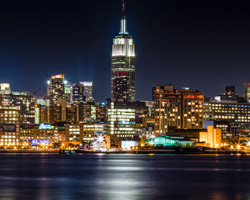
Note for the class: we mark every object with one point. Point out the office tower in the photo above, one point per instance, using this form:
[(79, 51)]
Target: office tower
[(229, 113), (179, 108), (9, 126), (101, 112), (88, 88), (5, 88), (23, 101), (56, 88), (123, 66), (121, 119), (121, 107), (77, 94)]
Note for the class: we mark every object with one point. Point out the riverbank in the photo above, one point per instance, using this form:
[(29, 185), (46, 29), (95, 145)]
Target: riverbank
[(28, 151), (171, 151)]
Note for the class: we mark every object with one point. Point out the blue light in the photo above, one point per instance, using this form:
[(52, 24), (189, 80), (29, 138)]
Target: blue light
[(45, 126)]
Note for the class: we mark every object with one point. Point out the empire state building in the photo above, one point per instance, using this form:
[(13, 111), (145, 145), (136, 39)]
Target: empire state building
[(123, 66)]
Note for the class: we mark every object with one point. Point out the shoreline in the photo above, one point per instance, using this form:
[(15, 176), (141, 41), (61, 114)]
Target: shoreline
[(78, 152)]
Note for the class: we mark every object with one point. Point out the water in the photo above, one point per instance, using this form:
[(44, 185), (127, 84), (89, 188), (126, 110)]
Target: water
[(44, 176)]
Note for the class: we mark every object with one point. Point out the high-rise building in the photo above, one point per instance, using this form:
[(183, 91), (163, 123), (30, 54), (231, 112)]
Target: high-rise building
[(179, 108), (5, 88), (121, 107), (56, 88), (77, 93), (88, 88), (123, 66), (23, 101), (9, 126)]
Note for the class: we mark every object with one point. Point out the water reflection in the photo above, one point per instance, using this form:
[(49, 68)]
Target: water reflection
[(124, 177)]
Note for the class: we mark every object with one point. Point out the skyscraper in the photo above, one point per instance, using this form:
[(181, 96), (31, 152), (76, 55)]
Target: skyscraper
[(121, 108), (123, 65), (56, 88), (77, 93), (88, 88)]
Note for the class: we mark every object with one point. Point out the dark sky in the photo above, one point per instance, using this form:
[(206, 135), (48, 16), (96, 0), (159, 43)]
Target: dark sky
[(202, 44)]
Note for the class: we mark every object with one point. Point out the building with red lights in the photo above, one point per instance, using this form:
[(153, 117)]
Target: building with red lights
[(179, 108)]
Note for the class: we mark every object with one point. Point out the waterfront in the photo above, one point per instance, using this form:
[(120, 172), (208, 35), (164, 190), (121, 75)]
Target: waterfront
[(124, 176)]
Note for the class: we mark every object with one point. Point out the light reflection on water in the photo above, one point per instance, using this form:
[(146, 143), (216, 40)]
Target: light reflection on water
[(124, 177)]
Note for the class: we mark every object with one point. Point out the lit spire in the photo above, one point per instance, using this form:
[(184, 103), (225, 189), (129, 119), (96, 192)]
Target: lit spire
[(123, 21)]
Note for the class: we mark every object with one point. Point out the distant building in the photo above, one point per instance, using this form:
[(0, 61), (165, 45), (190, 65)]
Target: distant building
[(170, 141), (79, 133), (180, 108), (230, 113), (56, 88), (88, 90), (123, 66), (121, 119), (209, 137), (23, 101), (78, 94), (39, 135), (9, 126), (5, 88), (43, 101), (101, 113)]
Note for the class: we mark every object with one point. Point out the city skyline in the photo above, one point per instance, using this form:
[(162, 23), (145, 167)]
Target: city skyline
[(209, 46)]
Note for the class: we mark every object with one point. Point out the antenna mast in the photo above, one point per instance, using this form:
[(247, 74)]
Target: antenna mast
[(123, 6)]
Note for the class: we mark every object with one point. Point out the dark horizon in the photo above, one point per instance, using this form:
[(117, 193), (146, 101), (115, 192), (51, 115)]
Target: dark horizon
[(202, 45)]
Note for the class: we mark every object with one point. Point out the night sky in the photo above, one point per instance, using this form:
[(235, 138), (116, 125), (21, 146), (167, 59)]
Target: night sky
[(202, 44)]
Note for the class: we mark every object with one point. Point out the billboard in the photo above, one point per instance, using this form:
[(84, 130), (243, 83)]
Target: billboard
[(37, 142), (126, 145)]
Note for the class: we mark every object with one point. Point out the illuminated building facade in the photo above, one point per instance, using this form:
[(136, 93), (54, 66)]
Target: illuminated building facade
[(56, 87), (180, 108), (23, 101), (78, 94), (39, 135), (230, 113), (93, 129), (212, 137), (121, 108), (123, 66), (9, 126), (168, 141), (121, 119), (230, 117), (78, 133), (88, 90), (101, 113), (5, 88), (74, 133)]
